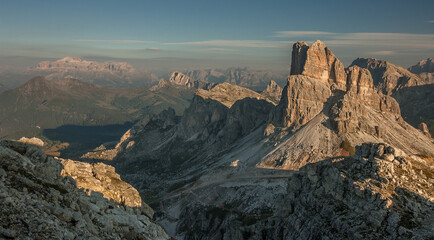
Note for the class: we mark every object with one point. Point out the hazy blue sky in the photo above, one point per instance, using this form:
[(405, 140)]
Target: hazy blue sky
[(213, 33)]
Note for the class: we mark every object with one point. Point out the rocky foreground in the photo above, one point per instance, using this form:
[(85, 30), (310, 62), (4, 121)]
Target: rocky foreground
[(39, 199), (379, 193)]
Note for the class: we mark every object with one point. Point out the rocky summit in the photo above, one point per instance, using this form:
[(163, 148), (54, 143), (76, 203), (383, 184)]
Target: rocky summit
[(43, 198), (388, 77), (334, 159)]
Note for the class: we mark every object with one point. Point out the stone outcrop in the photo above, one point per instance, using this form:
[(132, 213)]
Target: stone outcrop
[(388, 78), (302, 99), (317, 61), (348, 114), (273, 92), (316, 79), (32, 141), (321, 116), (37, 202), (413, 92), (100, 177), (315, 72)]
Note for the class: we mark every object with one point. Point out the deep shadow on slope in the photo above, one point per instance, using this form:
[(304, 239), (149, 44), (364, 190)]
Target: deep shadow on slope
[(417, 105), (40, 202), (347, 198), (85, 138)]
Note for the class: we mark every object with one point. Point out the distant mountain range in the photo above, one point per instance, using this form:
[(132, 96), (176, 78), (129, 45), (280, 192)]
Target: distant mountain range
[(109, 74), (123, 75), (244, 77)]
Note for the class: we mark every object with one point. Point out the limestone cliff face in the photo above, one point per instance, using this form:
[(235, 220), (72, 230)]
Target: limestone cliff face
[(388, 78), (313, 108), (317, 78), (348, 113), (302, 99), (317, 61), (315, 72)]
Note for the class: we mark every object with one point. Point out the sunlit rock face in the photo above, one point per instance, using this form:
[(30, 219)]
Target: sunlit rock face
[(179, 78), (302, 99), (101, 178), (317, 61), (388, 78)]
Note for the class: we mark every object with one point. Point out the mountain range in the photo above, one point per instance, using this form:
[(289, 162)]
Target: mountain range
[(109, 74), (331, 159), (335, 154)]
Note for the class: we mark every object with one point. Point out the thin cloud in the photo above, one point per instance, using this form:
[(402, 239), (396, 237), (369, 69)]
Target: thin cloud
[(300, 33), (411, 41), (113, 41), (383, 53), (153, 49), (233, 43), (227, 50), (431, 21)]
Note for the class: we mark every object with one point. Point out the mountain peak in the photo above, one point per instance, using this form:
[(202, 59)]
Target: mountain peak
[(424, 66), (317, 61), (387, 76), (179, 78)]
